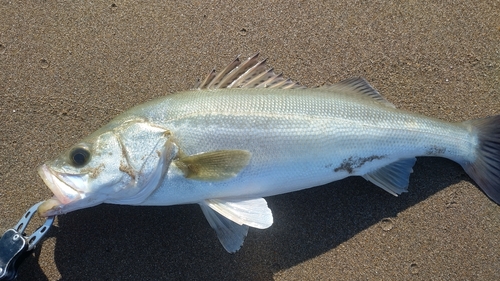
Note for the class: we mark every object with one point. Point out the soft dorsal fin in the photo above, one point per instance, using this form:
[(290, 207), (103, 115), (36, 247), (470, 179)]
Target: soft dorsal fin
[(358, 86), (252, 73)]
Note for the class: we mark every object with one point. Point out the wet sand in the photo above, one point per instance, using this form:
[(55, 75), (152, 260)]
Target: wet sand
[(68, 68)]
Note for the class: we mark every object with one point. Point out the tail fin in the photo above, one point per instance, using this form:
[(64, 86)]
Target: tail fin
[(485, 171)]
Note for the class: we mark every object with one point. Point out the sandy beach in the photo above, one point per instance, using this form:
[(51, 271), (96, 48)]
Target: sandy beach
[(67, 68)]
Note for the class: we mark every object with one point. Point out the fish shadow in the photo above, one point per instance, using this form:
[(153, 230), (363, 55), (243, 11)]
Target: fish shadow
[(111, 242)]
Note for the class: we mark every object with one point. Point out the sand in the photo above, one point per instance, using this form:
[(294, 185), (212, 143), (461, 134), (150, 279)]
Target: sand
[(66, 68)]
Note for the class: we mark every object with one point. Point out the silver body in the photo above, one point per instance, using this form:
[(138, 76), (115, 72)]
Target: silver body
[(298, 138)]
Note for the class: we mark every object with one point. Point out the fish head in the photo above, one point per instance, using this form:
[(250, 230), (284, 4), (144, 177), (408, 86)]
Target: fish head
[(122, 165)]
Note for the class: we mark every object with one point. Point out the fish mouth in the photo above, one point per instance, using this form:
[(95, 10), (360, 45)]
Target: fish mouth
[(64, 193)]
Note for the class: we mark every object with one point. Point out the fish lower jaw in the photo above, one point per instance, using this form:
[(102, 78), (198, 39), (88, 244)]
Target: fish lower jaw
[(50, 207)]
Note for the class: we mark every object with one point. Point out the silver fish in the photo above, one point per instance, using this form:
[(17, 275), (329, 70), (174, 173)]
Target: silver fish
[(246, 133)]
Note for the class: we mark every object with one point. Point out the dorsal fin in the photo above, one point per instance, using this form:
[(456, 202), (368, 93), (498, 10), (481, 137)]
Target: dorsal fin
[(252, 73), (358, 86), (230, 67)]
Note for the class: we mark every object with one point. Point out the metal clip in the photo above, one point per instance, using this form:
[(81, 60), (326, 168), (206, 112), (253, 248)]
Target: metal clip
[(14, 243), (34, 238)]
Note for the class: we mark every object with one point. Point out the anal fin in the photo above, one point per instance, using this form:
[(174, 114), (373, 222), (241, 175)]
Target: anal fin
[(393, 178)]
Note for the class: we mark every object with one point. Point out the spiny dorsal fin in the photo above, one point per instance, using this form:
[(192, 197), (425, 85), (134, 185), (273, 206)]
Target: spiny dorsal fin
[(359, 86), (218, 81), (252, 73)]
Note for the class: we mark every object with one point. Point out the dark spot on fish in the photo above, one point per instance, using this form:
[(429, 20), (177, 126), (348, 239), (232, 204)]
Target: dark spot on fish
[(435, 150), (352, 163)]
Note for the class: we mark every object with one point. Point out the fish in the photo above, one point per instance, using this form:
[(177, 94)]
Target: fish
[(245, 133)]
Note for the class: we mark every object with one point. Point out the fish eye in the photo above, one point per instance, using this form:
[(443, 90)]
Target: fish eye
[(79, 156)]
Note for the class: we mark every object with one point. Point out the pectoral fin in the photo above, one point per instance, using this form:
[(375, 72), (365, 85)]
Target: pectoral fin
[(215, 165), (393, 178)]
